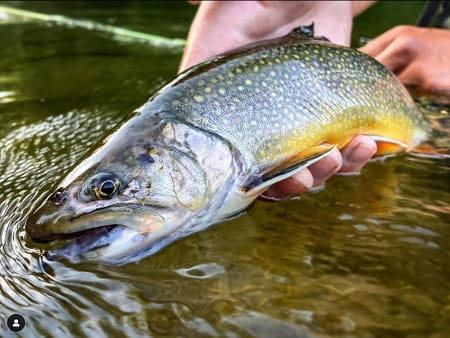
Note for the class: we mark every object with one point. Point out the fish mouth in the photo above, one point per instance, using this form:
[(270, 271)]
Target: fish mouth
[(50, 227), (114, 232), (83, 242)]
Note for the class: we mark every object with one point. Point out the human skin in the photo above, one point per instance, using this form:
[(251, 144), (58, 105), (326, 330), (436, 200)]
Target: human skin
[(420, 57), (223, 25)]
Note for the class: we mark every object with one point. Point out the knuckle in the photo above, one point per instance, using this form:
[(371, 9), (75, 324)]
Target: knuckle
[(403, 29), (408, 44)]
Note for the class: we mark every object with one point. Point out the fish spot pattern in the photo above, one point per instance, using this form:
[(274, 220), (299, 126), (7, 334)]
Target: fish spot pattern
[(280, 99)]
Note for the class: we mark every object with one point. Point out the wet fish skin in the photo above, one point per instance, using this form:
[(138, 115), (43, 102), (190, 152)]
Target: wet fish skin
[(275, 98), (208, 143)]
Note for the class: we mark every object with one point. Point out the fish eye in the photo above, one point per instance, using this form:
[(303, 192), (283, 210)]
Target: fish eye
[(106, 189), (103, 186)]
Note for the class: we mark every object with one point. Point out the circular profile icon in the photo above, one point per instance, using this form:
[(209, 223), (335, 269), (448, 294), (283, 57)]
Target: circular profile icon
[(16, 322)]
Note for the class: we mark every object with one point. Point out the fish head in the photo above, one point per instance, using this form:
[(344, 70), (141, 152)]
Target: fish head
[(121, 199)]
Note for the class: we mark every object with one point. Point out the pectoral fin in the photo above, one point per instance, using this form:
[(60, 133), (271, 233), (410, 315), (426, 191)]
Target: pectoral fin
[(283, 170), (386, 146), (430, 150)]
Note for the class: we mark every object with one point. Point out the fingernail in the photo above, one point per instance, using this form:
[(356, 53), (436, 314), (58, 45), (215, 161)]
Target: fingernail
[(270, 195), (360, 154), (320, 179)]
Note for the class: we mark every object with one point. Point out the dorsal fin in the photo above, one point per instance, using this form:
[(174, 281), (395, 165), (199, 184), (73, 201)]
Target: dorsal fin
[(306, 33)]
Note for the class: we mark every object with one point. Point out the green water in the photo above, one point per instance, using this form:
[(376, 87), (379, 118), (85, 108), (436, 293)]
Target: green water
[(368, 256)]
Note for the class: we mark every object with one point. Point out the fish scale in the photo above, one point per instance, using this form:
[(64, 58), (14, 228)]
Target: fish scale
[(260, 97)]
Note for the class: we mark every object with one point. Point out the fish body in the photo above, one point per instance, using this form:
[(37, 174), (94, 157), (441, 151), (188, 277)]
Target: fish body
[(212, 140)]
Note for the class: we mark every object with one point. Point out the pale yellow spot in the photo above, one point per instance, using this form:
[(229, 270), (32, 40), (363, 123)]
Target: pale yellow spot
[(199, 98), (238, 70), (272, 73), (248, 82), (208, 90), (201, 83), (255, 68), (221, 91), (230, 74), (277, 60)]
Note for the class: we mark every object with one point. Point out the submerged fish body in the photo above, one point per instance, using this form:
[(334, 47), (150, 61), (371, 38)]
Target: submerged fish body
[(208, 143)]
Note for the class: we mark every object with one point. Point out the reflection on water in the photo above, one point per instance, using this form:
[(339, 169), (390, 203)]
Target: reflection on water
[(367, 256)]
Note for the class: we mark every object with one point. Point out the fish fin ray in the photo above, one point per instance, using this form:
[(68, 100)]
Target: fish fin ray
[(286, 169), (430, 150)]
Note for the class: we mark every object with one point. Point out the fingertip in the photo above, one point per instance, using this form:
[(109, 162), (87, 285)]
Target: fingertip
[(297, 184), (357, 153), (326, 167)]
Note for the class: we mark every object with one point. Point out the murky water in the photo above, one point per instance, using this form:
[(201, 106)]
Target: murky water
[(366, 257)]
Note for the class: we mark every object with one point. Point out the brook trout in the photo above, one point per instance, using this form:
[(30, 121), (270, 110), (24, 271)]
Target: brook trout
[(217, 136)]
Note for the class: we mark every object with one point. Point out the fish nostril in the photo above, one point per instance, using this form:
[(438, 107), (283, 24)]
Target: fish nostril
[(58, 197)]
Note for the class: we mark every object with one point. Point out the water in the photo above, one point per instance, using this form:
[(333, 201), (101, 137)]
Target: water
[(365, 257)]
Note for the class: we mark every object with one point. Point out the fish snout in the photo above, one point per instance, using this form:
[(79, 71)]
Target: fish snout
[(42, 223)]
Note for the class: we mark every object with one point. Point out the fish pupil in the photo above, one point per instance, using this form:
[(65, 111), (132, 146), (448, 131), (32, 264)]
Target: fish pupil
[(108, 188)]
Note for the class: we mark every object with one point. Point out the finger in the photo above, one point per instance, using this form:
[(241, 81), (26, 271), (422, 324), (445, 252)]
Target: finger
[(397, 55), (295, 185), (424, 76), (380, 43), (326, 167), (357, 153), (412, 75)]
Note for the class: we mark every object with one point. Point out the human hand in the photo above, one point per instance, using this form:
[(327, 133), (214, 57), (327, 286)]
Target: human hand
[(420, 57), (223, 25)]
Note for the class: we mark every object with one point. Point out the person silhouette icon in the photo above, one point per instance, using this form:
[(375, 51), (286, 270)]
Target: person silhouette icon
[(16, 322)]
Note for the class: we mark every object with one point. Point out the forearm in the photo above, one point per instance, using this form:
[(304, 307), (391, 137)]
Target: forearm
[(360, 6), (222, 25)]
